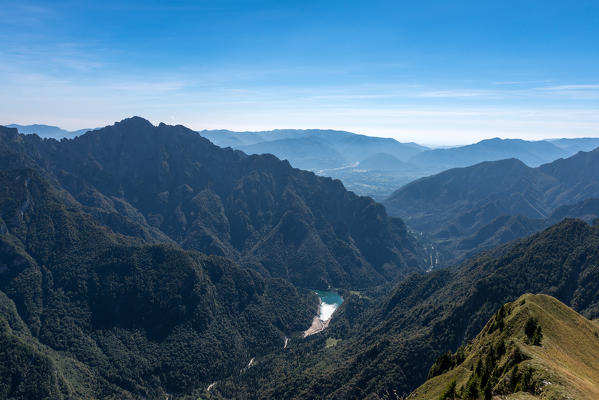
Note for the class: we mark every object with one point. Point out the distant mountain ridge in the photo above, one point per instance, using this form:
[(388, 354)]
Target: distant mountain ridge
[(169, 181), (532, 153), (305, 153), (341, 140), (338, 154), (329, 149), (47, 131), (575, 145), (457, 205)]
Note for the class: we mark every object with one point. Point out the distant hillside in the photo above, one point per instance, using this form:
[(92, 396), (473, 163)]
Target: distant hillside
[(508, 227), (170, 182), (333, 153), (535, 347), (469, 209), (367, 165), (573, 146), (352, 146), (47, 131), (532, 153), (382, 162), (305, 153)]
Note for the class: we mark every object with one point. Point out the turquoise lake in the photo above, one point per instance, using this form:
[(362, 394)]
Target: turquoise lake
[(329, 302)]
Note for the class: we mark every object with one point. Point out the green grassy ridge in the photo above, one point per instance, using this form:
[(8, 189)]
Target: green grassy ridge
[(564, 365)]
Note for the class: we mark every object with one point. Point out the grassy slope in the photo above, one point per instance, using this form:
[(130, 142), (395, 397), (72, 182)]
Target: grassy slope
[(568, 357)]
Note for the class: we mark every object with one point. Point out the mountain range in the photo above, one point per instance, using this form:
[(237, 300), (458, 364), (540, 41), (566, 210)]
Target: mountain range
[(104, 292), (171, 183), (532, 153), (141, 261), (378, 166), (468, 209), (352, 146), (369, 165), (47, 131)]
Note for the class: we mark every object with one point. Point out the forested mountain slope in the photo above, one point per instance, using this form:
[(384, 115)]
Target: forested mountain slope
[(171, 184), (469, 209), (387, 345), (90, 313), (101, 280)]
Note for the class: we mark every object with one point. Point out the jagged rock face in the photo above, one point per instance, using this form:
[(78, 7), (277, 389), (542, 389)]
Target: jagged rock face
[(255, 209)]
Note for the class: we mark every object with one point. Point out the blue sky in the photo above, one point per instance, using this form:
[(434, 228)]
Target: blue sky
[(435, 72)]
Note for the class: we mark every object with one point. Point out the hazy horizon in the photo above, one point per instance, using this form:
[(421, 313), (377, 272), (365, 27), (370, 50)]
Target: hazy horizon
[(431, 145), (441, 74)]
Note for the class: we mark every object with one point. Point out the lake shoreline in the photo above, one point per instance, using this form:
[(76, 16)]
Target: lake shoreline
[(325, 312), (317, 326)]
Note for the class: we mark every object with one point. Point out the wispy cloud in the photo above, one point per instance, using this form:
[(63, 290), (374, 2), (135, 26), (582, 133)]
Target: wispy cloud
[(456, 93), (578, 91), (23, 13), (520, 82), (571, 87)]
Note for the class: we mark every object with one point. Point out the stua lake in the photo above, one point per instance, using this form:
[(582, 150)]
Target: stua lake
[(329, 302)]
